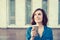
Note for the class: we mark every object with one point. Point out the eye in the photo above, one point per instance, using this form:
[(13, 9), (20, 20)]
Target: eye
[(39, 14)]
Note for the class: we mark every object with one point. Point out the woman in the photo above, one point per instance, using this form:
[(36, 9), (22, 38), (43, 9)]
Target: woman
[(43, 32)]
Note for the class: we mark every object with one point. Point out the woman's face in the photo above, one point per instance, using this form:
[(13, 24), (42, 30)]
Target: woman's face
[(38, 16)]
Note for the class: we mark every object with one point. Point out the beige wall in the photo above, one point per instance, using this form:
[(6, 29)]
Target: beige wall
[(3, 13), (53, 13)]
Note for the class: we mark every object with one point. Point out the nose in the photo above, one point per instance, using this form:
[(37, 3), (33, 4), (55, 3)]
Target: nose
[(37, 16)]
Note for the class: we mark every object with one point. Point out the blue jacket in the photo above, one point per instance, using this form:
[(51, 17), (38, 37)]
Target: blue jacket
[(47, 34)]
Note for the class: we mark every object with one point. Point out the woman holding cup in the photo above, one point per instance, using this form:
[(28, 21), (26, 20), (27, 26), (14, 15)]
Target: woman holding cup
[(39, 30)]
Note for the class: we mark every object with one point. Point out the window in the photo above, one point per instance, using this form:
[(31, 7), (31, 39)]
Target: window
[(44, 5), (28, 11), (59, 13), (11, 12)]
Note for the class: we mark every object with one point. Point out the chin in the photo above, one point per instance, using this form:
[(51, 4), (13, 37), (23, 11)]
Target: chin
[(38, 21)]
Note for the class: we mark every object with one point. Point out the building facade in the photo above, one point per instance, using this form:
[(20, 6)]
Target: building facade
[(17, 13)]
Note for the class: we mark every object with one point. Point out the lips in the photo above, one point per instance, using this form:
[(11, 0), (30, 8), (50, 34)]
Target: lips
[(38, 18)]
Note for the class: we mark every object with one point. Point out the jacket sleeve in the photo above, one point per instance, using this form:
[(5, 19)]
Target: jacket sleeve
[(28, 34), (50, 35)]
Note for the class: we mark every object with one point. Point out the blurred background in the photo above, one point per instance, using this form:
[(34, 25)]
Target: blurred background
[(15, 17)]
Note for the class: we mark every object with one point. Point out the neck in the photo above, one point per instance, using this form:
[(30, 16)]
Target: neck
[(39, 25)]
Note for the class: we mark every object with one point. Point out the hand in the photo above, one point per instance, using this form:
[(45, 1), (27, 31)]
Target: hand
[(32, 38), (33, 32)]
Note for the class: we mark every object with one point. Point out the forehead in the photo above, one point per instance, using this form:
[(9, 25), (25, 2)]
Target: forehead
[(39, 11)]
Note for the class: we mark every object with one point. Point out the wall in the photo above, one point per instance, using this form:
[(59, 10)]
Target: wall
[(19, 34)]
